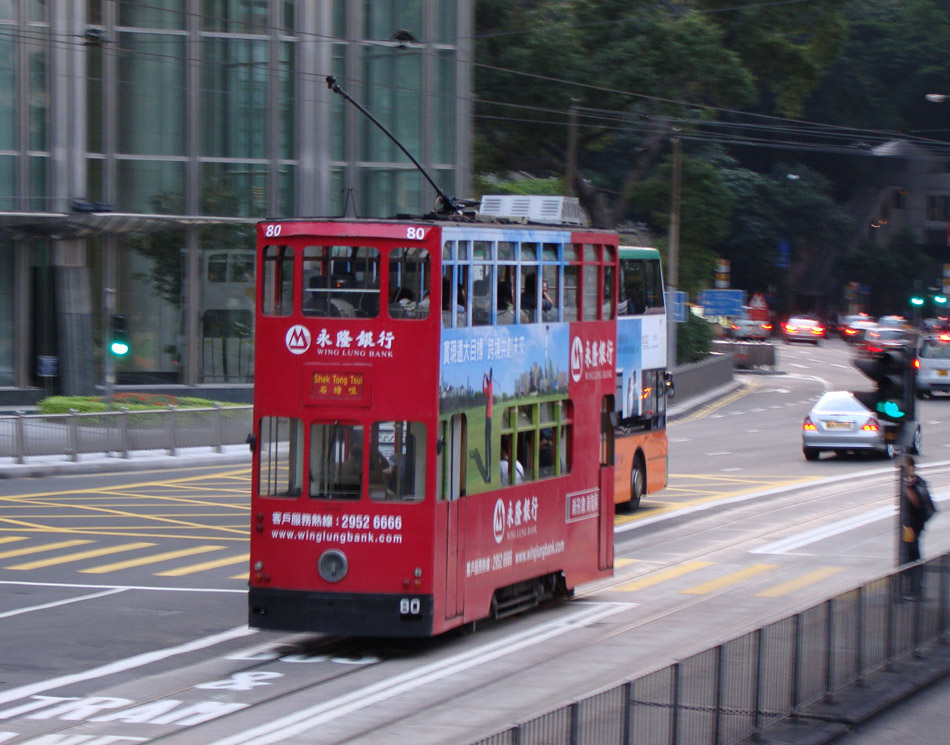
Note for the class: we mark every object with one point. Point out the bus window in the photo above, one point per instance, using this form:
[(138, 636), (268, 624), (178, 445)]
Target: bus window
[(341, 281), (336, 461), (280, 445), (397, 464), (278, 281), (409, 283)]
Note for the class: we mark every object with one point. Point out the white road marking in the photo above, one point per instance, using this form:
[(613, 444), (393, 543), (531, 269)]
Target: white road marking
[(44, 606), (119, 666), (784, 545), (294, 724)]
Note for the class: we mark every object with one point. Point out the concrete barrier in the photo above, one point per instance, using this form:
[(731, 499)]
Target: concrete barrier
[(748, 354), (706, 375)]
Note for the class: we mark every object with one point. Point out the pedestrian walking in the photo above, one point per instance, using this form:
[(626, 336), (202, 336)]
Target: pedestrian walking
[(916, 508)]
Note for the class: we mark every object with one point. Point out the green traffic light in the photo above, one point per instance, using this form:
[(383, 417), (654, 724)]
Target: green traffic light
[(916, 301), (890, 409), (940, 299), (119, 348)]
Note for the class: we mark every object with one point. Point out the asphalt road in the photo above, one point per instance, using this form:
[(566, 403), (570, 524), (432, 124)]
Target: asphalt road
[(137, 629)]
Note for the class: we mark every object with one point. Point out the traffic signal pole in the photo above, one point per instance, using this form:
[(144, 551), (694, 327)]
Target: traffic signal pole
[(108, 361)]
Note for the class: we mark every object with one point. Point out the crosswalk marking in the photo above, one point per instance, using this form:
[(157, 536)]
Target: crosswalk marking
[(662, 576), (226, 561), (80, 555), (798, 583), (730, 579), (40, 549), (151, 559)]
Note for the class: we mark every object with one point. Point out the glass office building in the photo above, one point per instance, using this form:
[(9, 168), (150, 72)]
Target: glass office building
[(140, 142)]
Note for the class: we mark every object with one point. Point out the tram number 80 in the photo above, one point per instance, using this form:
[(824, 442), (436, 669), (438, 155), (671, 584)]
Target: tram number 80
[(410, 606)]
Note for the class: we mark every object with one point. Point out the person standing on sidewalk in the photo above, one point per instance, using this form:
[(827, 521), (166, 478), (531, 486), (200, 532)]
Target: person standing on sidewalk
[(916, 507)]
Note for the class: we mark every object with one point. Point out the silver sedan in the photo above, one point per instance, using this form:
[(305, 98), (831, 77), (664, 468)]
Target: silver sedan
[(840, 423)]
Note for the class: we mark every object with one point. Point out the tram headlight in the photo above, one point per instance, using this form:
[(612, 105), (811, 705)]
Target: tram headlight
[(333, 565)]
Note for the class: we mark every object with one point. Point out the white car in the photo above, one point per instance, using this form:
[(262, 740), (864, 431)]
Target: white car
[(933, 365), (840, 423)]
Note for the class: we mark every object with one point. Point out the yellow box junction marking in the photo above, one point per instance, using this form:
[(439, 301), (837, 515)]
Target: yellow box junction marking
[(662, 575), (227, 561), (153, 559), (798, 583), (40, 549), (730, 579), (80, 556)]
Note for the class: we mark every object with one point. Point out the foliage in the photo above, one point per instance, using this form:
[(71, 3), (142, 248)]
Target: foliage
[(693, 339), (488, 184), (130, 401), (888, 271)]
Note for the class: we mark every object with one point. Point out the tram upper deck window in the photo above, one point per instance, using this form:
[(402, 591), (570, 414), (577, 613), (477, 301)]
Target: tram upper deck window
[(278, 281), (337, 462), (341, 281), (409, 277)]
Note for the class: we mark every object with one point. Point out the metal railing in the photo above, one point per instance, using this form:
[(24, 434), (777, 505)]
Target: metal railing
[(737, 689), (23, 436)]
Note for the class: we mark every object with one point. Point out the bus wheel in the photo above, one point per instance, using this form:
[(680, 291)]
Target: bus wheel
[(638, 483)]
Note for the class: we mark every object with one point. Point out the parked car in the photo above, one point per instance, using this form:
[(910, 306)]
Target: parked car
[(850, 327), (841, 423), (933, 365), (800, 328)]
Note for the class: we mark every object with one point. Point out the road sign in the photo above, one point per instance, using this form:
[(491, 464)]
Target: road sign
[(722, 302), (676, 306), (758, 308)]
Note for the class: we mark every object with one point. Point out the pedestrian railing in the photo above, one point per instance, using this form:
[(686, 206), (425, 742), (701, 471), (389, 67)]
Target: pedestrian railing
[(25, 436), (738, 689)]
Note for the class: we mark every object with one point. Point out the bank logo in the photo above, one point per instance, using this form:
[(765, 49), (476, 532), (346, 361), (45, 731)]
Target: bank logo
[(498, 522), (297, 339), (577, 359)]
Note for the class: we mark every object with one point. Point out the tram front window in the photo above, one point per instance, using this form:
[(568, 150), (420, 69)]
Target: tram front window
[(397, 463), (336, 461)]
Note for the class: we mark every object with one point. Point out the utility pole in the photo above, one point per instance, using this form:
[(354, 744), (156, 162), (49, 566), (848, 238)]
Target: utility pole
[(571, 147), (673, 255)]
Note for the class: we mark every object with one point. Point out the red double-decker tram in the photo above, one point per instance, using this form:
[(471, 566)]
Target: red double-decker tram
[(433, 421)]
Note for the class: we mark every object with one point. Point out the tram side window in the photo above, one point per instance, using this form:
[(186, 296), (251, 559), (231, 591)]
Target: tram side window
[(397, 461), (409, 279), (535, 442), (453, 295), (481, 294), (571, 292), (336, 461), (608, 306), (280, 447), (341, 281), (278, 281), (641, 287)]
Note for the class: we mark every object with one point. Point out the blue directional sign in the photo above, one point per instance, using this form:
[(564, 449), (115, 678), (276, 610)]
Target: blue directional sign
[(722, 302), (676, 306)]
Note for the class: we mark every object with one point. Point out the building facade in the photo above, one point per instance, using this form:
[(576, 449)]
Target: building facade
[(140, 142)]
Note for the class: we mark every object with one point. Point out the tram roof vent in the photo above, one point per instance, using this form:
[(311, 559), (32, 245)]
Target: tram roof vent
[(541, 209)]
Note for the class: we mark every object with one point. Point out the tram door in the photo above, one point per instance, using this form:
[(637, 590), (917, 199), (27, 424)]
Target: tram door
[(608, 423), (454, 455)]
